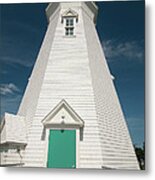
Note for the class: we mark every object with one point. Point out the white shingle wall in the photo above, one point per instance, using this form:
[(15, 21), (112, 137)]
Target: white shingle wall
[(30, 99), (73, 69), (14, 131), (3, 135), (10, 157), (117, 149), (34, 154), (67, 76)]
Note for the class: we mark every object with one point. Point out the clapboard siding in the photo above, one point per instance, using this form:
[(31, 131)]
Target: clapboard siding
[(9, 156), (75, 69), (28, 105), (114, 134), (67, 76)]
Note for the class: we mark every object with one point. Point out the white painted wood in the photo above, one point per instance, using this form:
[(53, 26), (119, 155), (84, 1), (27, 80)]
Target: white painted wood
[(113, 129), (13, 129), (75, 69), (62, 116)]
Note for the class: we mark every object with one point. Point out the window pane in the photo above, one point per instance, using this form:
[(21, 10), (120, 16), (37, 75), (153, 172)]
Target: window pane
[(71, 31), (67, 31), (71, 22), (67, 22)]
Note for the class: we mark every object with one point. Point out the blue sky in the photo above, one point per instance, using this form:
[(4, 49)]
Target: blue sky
[(120, 26)]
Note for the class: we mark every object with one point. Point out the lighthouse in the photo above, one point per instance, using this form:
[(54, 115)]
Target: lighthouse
[(70, 115)]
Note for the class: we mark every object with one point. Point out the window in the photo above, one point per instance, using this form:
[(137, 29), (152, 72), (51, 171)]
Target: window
[(69, 31), (69, 18), (69, 22), (69, 27)]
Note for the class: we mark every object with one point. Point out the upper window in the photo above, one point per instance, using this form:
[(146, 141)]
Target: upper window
[(69, 26), (69, 20)]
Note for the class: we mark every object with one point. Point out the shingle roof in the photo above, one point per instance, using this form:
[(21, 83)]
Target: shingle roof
[(13, 129)]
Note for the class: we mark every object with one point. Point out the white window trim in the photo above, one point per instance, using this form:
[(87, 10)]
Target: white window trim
[(69, 27)]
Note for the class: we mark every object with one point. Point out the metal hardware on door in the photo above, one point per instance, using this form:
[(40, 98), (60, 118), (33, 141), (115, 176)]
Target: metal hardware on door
[(62, 130)]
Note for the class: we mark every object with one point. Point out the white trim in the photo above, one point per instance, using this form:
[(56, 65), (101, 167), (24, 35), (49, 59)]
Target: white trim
[(69, 27), (46, 148), (77, 147), (77, 120), (69, 14), (66, 15)]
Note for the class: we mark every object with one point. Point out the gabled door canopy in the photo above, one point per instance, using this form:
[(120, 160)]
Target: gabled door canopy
[(63, 116)]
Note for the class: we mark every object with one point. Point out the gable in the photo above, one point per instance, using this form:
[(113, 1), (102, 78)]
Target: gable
[(69, 12), (62, 116)]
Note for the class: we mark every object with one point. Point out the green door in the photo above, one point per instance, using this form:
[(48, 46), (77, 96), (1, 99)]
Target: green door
[(62, 149)]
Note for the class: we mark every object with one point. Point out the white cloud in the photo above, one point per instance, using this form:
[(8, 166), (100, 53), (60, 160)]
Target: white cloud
[(13, 61), (131, 50), (8, 89), (10, 104)]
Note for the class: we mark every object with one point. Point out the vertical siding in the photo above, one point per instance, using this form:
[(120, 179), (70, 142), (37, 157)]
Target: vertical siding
[(117, 149)]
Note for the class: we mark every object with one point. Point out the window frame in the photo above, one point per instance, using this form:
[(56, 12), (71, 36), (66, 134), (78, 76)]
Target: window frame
[(69, 25)]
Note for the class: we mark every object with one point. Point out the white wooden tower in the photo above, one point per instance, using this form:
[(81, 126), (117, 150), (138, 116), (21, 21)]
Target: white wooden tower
[(70, 90)]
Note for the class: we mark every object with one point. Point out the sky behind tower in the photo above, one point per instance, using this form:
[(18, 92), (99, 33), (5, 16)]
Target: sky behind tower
[(120, 26)]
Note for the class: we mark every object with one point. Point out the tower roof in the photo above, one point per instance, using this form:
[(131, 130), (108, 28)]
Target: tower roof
[(13, 130)]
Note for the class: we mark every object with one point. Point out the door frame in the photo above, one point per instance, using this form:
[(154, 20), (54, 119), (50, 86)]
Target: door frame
[(56, 119), (77, 143)]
